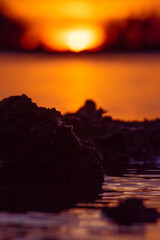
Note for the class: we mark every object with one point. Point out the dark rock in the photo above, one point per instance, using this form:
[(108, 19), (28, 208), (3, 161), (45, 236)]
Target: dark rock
[(88, 122), (131, 211), (37, 147), (47, 198), (123, 144)]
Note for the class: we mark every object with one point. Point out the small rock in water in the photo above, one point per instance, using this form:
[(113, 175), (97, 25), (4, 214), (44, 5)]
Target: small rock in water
[(131, 211)]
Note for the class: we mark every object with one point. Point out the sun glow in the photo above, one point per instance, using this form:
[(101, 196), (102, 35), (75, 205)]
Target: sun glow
[(71, 25), (79, 40), (73, 39)]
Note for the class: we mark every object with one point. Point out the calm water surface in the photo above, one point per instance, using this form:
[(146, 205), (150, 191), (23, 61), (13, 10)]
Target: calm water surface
[(128, 86), (86, 221)]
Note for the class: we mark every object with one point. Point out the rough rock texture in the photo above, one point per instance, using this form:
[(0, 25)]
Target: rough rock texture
[(131, 211), (37, 147), (123, 144)]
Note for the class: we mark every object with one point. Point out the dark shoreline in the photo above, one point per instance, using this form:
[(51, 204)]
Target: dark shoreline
[(30, 132), (124, 144), (50, 162)]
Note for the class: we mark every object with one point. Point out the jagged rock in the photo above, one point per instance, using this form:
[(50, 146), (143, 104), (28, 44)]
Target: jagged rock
[(123, 144), (37, 147), (88, 121), (131, 211)]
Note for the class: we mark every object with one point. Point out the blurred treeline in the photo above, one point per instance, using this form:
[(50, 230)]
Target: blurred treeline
[(131, 34), (11, 32)]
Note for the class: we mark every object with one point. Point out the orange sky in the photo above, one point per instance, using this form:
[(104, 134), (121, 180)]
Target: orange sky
[(58, 24), (79, 9)]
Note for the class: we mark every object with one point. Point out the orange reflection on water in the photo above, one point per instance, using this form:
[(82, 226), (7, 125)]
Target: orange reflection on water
[(128, 86)]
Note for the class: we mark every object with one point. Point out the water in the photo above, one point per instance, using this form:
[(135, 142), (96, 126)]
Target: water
[(128, 85), (87, 221)]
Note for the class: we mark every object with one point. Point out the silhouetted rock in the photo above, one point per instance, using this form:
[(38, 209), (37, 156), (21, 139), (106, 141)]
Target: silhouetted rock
[(47, 198), (123, 144), (88, 122), (37, 147), (131, 211)]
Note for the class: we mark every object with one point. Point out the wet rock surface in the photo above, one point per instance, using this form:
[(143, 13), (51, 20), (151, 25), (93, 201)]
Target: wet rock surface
[(123, 144), (36, 147), (131, 211)]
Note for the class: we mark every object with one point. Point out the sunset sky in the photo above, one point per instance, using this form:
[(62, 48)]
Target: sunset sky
[(91, 10), (60, 24), (67, 25)]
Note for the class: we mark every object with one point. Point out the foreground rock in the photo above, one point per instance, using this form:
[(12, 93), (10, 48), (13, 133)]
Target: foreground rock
[(37, 147), (47, 198), (123, 144), (131, 211)]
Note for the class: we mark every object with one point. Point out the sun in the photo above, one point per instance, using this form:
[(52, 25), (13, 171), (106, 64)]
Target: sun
[(75, 39), (79, 40)]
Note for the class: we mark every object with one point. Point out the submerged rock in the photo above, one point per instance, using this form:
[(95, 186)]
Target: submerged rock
[(37, 147), (131, 211)]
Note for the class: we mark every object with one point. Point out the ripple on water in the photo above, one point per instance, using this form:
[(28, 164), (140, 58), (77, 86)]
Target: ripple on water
[(86, 221)]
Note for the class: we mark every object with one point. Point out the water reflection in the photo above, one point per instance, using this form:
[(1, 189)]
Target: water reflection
[(86, 221), (126, 85), (141, 186)]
